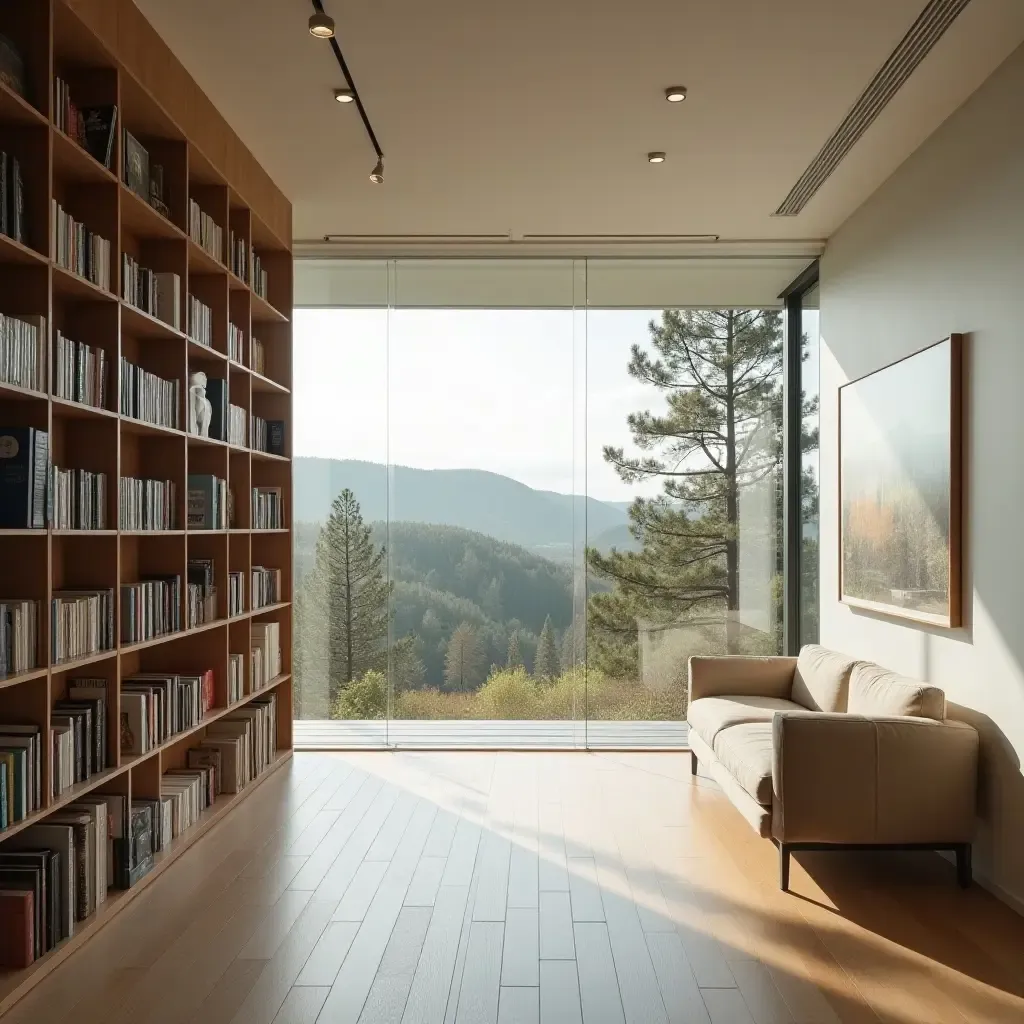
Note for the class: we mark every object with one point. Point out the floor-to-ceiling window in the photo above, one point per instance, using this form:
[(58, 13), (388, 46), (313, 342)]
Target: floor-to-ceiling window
[(525, 492)]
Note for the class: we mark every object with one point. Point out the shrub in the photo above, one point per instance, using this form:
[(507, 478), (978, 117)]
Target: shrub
[(509, 693), (363, 698), (430, 703)]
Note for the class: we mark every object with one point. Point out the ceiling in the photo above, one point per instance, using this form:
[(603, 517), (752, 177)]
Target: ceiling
[(535, 116)]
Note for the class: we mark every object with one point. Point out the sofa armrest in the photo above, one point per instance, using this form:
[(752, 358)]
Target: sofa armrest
[(739, 676), (852, 779)]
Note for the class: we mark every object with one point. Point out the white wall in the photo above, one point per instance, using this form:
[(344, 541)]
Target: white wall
[(939, 249)]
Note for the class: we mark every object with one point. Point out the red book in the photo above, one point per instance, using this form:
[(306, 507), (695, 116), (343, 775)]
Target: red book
[(17, 930), (207, 690)]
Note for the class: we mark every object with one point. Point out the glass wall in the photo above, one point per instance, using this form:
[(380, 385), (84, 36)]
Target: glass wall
[(809, 481), (525, 492)]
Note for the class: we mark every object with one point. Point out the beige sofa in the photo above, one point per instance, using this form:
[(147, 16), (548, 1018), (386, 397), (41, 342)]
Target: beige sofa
[(825, 752)]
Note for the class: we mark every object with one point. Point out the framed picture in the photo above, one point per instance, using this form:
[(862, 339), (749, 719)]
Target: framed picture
[(899, 487)]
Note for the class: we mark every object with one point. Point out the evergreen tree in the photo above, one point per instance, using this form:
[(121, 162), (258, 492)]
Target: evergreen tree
[(464, 658), (515, 657), (406, 665), (720, 372), (545, 664), (350, 573)]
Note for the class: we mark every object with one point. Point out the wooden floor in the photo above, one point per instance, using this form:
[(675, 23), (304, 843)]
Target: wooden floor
[(507, 887)]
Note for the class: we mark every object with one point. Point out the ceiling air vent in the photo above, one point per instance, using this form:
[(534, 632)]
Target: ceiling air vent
[(932, 22)]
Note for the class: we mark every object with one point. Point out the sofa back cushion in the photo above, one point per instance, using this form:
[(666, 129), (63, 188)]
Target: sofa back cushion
[(822, 679), (877, 692)]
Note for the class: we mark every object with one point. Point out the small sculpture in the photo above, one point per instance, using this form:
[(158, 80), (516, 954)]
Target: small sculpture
[(200, 411)]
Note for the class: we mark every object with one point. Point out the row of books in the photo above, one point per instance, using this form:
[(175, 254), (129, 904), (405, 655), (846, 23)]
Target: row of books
[(54, 875), (267, 435), (260, 279), (25, 496), (236, 343), (236, 593), (92, 128), (12, 198), (79, 727), (79, 499), (156, 706), (79, 249), (200, 322), (205, 231), (208, 502), (265, 647), (239, 252), (19, 637), (145, 396), (157, 293), (200, 592), (79, 372), (266, 586), (236, 425), (23, 351), (150, 608), (21, 772), (142, 175), (267, 508), (259, 357), (81, 623), (146, 504)]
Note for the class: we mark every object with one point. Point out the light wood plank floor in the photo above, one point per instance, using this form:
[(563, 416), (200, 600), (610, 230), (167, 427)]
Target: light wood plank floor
[(459, 888)]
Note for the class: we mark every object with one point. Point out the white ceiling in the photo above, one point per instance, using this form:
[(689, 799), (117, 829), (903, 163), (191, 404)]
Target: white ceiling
[(534, 116)]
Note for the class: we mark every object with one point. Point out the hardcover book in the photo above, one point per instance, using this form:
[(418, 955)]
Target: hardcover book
[(100, 131), (17, 928), (136, 166)]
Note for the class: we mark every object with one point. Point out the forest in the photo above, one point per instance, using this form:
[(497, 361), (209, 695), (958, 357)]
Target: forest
[(465, 625)]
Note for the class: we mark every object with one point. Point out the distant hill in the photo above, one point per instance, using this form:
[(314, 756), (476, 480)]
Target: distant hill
[(472, 499)]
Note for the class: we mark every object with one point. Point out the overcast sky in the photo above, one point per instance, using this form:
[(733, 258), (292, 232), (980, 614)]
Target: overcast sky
[(473, 389)]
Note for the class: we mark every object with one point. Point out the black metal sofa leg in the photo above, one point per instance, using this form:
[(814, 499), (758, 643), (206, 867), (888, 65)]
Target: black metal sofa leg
[(693, 763), (964, 873), (784, 854)]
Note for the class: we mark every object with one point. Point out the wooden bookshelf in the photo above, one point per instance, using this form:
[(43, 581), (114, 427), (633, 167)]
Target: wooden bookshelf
[(109, 54)]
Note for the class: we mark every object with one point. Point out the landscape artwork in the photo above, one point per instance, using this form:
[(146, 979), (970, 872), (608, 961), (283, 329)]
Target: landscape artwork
[(899, 466)]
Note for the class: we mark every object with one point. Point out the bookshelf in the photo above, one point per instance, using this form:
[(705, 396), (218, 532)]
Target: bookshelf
[(107, 54)]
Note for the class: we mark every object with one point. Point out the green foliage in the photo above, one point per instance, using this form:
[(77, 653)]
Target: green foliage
[(464, 658), (515, 657), (508, 694), (347, 594), (405, 664), (363, 698), (545, 665), (720, 374)]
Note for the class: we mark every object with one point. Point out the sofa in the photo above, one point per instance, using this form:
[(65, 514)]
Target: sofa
[(824, 752)]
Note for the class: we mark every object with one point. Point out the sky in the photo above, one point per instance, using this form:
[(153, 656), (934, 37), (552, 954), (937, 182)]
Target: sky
[(509, 391)]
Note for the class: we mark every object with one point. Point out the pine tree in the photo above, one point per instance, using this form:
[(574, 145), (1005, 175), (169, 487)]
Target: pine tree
[(515, 658), (464, 658), (545, 665), (350, 573), (720, 372), (405, 666)]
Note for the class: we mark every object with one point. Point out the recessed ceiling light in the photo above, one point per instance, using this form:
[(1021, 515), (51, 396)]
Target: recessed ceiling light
[(377, 174), (344, 95), (656, 158), (321, 25), (675, 93)]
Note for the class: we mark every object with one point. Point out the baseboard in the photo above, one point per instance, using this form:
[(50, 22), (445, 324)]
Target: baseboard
[(1015, 903)]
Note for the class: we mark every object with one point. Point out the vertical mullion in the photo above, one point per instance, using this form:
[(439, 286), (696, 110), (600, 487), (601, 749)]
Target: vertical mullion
[(791, 460)]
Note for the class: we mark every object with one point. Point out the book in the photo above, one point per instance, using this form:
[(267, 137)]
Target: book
[(168, 299), (3, 795), (12, 66), (207, 502), (23, 351), (17, 928), (133, 852), (84, 825), (136, 165), (134, 723), (27, 873), (217, 396), (24, 477), (96, 807), (100, 130)]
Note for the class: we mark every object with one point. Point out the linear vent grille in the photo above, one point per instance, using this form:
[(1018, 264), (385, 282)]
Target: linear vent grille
[(926, 31)]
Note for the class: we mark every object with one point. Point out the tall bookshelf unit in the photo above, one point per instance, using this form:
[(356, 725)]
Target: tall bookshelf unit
[(109, 54)]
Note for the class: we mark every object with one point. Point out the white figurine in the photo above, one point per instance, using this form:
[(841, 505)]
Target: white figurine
[(199, 409)]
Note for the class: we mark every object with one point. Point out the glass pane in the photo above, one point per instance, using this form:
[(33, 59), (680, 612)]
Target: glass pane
[(809, 550), (481, 503), (340, 517), (684, 487)]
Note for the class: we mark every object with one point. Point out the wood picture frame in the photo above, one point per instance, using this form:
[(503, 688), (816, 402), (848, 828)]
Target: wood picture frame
[(900, 487)]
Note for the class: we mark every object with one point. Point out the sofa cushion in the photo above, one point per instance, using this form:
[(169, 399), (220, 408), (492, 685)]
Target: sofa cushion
[(877, 692), (710, 715), (745, 751), (822, 679)]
